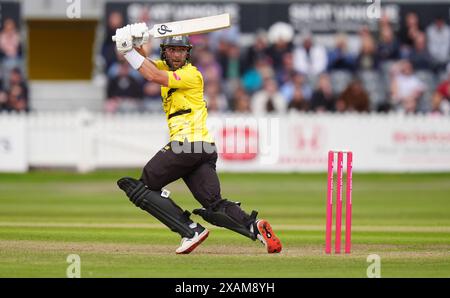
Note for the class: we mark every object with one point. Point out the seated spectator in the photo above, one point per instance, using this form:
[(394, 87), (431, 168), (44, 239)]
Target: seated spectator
[(229, 58), (17, 99), (441, 98), (114, 70), (10, 47), (296, 80), (257, 50), (408, 33), (406, 88), (9, 40), (123, 91), (208, 66), (323, 99), (215, 99), (241, 101), (354, 98), (268, 100), (438, 35), (16, 78), (419, 56), (17, 91), (388, 47), (298, 102), (280, 36), (115, 20), (151, 101), (339, 58), (285, 72), (253, 79), (367, 58), (310, 59), (4, 101)]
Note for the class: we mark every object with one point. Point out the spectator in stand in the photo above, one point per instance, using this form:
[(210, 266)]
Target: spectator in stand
[(419, 56), (388, 47), (298, 102), (123, 92), (17, 98), (151, 101), (323, 99), (16, 78), (296, 80), (9, 40), (268, 100), (229, 58), (4, 101), (215, 99), (309, 58), (408, 33), (441, 98), (406, 88), (208, 65), (17, 91), (115, 20), (280, 36), (285, 73), (339, 58), (253, 79), (354, 98), (438, 35), (231, 65), (367, 58), (114, 70), (10, 48), (241, 101), (258, 50)]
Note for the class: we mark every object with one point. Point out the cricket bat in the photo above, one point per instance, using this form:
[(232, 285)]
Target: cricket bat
[(192, 26)]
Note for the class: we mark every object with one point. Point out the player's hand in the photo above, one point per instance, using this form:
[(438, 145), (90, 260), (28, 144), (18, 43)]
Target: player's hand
[(139, 33), (124, 39)]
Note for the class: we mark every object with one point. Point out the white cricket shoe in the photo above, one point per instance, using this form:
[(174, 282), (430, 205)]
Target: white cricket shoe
[(189, 244)]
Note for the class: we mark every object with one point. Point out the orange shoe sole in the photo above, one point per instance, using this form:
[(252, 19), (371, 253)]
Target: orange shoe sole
[(271, 241)]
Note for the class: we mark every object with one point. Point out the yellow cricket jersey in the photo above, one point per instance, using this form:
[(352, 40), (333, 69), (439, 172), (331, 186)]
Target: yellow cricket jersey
[(184, 105)]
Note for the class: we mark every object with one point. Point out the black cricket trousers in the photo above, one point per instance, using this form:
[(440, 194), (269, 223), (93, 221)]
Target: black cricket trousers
[(195, 163), (198, 170)]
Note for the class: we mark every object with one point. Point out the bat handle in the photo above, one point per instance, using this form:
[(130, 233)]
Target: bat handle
[(150, 32)]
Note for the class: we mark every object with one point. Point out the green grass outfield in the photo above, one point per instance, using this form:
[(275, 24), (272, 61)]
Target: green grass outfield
[(45, 216)]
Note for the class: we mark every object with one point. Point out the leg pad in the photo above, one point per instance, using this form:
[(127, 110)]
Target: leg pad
[(164, 209), (217, 214)]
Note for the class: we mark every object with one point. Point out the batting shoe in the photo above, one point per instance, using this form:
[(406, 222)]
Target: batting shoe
[(267, 236), (189, 244)]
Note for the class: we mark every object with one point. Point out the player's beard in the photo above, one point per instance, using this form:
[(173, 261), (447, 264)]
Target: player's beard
[(174, 65)]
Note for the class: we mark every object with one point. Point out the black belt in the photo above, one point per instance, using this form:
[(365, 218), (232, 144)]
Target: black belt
[(180, 112)]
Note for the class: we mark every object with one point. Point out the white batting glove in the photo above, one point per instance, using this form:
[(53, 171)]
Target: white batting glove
[(124, 39), (139, 33)]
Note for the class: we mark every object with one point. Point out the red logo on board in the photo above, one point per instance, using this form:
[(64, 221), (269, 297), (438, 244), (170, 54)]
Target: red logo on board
[(239, 143)]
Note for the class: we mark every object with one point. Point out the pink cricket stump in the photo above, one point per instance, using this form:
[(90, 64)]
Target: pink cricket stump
[(339, 203), (348, 204), (329, 202)]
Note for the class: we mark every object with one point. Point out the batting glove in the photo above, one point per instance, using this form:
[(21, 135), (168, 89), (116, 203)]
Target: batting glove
[(124, 39), (139, 33)]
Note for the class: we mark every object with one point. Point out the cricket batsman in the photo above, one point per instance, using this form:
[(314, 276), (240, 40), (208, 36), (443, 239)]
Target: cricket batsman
[(190, 154)]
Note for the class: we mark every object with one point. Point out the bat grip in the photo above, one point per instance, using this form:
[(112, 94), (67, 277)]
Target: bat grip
[(150, 32)]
